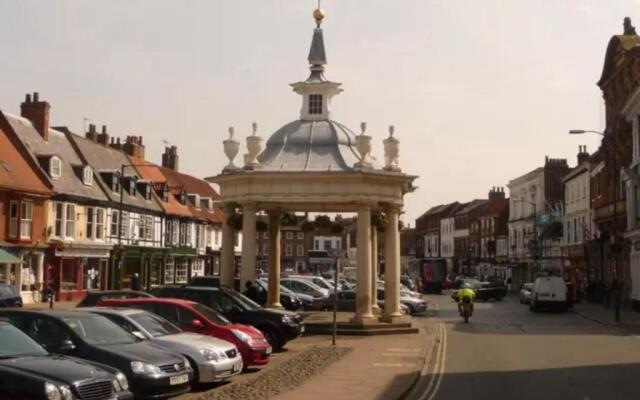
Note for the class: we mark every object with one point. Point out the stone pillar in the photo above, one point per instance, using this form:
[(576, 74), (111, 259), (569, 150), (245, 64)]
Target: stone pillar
[(226, 252), (392, 267), (273, 293), (248, 271), (374, 271), (363, 287)]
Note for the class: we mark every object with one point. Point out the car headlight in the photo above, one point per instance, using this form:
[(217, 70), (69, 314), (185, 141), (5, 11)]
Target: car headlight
[(52, 391), (211, 354), (122, 382), (139, 367), (65, 392), (287, 319), (242, 336)]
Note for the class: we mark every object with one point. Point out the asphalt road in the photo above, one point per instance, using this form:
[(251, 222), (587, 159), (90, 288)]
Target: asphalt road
[(509, 352)]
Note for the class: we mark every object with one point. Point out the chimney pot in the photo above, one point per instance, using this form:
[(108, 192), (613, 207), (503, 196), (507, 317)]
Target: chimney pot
[(27, 98), (38, 113), (104, 129), (35, 97)]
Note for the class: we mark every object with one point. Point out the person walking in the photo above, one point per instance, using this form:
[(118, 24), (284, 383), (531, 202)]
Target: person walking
[(135, 282), (251, 291)]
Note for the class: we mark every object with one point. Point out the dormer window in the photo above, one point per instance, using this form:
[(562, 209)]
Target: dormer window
[(165, 193), (315, 104), (87, 176), (55, 167)]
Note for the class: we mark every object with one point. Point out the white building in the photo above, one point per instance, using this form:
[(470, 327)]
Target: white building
[(447, 226)]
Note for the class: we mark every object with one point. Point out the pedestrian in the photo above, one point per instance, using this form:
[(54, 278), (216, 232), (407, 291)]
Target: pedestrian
[(251, 291), (509, 282), (135, 282)]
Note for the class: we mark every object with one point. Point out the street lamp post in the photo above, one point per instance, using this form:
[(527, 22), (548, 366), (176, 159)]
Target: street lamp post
[(616, 284), (536, 248)]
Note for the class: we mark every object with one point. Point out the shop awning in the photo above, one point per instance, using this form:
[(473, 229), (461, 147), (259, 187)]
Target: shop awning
[(8, 258)]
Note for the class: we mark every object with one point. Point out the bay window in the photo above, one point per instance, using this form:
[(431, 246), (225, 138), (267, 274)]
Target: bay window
[(70, 226), (89, 227), (99, 223), (58, 210), (114, 223)]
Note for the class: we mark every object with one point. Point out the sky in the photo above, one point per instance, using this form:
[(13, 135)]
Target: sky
[(479, 91)]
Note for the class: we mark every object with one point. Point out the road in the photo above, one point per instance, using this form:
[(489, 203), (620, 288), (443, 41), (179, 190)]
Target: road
[(509, 352)]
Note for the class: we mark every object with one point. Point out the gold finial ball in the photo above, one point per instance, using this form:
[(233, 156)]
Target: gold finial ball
[(318, 14)]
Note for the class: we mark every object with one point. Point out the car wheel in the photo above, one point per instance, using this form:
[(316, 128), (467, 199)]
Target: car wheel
[(272, 337), (410, 310)]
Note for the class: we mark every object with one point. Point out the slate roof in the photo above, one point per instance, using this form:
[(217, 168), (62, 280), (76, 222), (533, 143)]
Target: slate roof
[(16, 172), (69, 183), (105, 158)]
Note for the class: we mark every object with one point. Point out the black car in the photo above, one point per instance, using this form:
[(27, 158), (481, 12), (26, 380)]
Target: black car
[(152, 372), (277, 326), (288, 299), (93, 298), (29, 372), (9, 297)]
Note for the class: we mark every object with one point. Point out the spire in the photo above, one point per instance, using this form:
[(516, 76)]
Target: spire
[(317, 56)]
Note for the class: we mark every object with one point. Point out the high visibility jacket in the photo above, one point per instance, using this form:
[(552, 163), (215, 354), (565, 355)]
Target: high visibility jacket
[(466, 292)]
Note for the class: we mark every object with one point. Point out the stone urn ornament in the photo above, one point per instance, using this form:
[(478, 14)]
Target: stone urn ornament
[(231, 148), (254, 148), (363, 145), (391, 151)]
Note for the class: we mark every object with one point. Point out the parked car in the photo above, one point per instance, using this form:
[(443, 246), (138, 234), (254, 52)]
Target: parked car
[(28, 371), (277, 326), (288, 299), (304, 286), (549, 292), (414, 305), (92, 299), (212, 359), (317, 280), (347, 302), (484, 290), (9, 297), (408, 282), (525, 293), (195, 317), (151, 371)]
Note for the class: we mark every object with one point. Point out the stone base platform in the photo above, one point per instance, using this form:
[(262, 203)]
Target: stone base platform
[(320, 323)]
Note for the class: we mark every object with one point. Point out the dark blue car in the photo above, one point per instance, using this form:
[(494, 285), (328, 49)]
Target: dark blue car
[(9, 297)]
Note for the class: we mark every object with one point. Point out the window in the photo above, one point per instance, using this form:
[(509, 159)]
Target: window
[(99, 223), (168, 231), (300, 235), (70, 226), (125, 224), (315, 104), (175, 233), (288, 250), (145, 227), (265, 250), (183, 234), (13, 219), (289, 235), (55, 167), (327, 245), (90, 216), (197, 268), (87, 176), (58, 210), (181, 271), (116, 182), (26, 216), (114, 223), (300, 250), (168, 271), (188, 242)]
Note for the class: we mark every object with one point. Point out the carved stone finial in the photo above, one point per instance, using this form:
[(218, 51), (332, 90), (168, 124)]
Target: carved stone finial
[(629, 29), (363, 127), (391, 151), (363, 145), (231, 132), (254, 148), (392, 129), (254, 128), (231, 148)]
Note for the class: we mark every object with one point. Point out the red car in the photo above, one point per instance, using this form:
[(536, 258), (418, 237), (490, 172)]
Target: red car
[(198, 318)]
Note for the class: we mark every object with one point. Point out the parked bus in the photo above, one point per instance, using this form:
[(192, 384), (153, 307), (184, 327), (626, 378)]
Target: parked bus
[(429, 274)]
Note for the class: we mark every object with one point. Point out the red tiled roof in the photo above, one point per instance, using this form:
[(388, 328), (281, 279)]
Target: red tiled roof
[(194, 185), (16, 171)]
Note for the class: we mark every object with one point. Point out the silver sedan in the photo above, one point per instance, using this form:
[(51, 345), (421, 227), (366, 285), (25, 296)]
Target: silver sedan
[(212, 359)]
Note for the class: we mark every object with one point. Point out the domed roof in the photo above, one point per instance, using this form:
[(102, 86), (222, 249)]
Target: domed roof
[(308, 146)]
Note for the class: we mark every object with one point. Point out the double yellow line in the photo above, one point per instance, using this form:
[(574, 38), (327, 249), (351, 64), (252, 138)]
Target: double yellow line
[(435, 375)]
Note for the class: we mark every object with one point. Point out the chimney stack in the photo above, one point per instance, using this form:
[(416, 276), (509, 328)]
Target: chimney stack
[(103, 138), (170, 158), (583, 155), (116, 145), (496, 193), (92, 134), (37, 112), (133, 146)]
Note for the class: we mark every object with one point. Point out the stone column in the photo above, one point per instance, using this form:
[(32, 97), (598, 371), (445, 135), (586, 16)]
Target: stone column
[(392, 267), (374, 271), (363, 288), (248, 271), (227, 255), (273, 293)]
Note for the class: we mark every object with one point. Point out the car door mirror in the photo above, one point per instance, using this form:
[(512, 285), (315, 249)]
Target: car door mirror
[(196, 323), (66, 346), (138, 334)]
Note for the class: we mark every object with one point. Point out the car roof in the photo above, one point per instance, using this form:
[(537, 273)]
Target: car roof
[(168, 300), (115, 310), (49, 312)]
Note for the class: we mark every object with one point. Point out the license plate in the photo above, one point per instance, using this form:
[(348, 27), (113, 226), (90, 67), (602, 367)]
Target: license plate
[(178, 380), (237, 367), (268, 350)]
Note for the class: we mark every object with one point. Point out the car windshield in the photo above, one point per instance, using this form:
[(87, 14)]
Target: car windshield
[(264, 283), (210, 314), (98, 330), (14, 343), (155, 325), (245, 302)]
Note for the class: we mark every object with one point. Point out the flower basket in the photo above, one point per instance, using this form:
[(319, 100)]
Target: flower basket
[(235, 222), (379, 221), (288, 219), (262, 226), (322, 221)]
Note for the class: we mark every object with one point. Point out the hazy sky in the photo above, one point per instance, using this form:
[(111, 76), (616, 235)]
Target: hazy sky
[(479, 91)]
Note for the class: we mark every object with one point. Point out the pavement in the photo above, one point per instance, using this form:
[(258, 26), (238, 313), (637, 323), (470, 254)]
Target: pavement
[(605, 315), (507, 351)]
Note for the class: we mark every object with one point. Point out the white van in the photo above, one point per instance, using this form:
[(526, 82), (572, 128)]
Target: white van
[(549, 292)]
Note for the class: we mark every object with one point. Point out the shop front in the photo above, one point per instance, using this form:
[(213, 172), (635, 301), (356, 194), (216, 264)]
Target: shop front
[(138, 268), (72, 269), (26, 275), (180, 262), (575, 269)]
